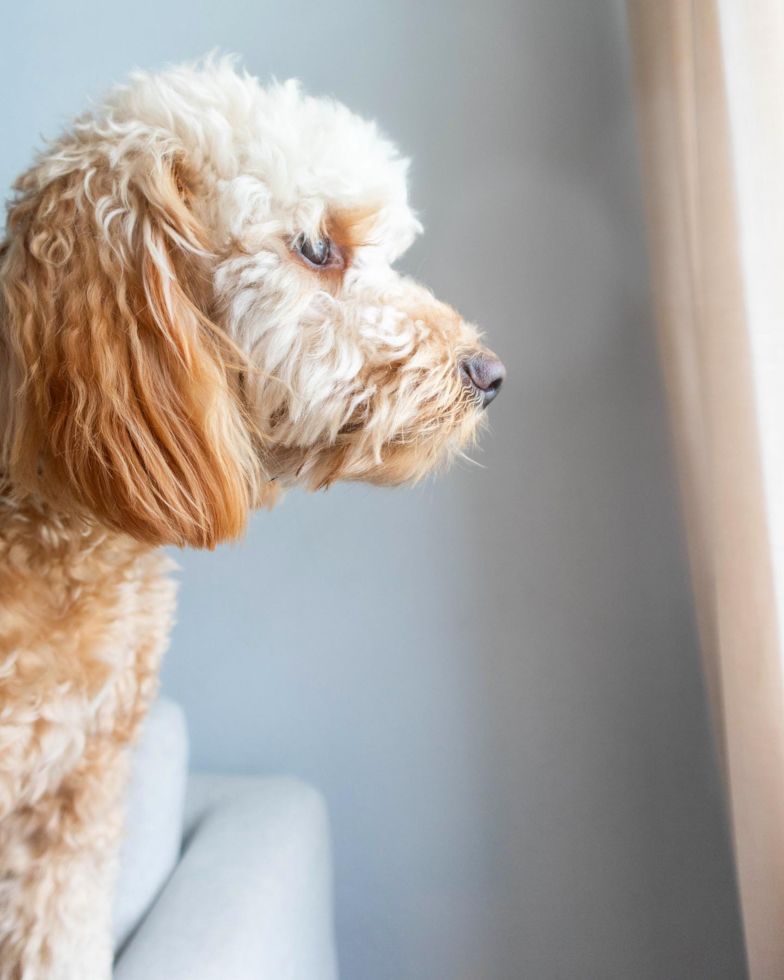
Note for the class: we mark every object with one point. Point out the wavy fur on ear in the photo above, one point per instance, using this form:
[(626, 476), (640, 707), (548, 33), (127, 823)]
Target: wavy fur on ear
[(118, 392)]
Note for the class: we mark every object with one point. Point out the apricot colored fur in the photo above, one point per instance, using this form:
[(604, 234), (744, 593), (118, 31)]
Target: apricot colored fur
[(168, 360)]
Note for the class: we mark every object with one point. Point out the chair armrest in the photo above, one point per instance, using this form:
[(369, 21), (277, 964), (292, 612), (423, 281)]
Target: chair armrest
[(155, 807), (251, 898)]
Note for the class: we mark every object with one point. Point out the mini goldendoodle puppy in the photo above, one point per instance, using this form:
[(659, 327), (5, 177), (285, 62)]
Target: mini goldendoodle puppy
[(197, 306)]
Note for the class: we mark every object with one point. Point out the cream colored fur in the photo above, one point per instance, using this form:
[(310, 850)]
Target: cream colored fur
[(168, 359)]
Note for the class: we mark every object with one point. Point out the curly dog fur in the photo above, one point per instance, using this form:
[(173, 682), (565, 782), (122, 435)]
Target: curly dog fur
[(197, 306)]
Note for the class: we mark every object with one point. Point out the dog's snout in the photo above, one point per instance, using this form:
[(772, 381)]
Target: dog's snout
[(485, 373)]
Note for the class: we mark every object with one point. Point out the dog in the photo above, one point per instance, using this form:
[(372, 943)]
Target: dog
[(198, 307)]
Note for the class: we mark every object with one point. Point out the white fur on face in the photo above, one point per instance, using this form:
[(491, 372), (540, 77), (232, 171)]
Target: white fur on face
[(355, 373)]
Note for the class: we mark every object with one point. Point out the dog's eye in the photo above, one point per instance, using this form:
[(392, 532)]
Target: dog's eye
[(317, 253)]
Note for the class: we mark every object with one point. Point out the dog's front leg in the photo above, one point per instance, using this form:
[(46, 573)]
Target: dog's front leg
[(59, 858)]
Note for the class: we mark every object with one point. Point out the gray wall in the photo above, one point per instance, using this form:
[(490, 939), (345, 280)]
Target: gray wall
[(494, 678)]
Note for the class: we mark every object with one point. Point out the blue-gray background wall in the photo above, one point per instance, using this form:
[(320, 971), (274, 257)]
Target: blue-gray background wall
[(494, 679)]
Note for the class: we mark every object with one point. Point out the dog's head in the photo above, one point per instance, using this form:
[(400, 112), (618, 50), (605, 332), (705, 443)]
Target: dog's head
[(198, 305)]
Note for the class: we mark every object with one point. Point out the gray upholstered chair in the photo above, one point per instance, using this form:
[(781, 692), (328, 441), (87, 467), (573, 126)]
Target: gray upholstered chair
[(223, 877)]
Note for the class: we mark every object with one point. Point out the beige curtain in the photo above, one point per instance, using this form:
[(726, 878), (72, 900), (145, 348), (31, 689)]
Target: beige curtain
[(706, 298)]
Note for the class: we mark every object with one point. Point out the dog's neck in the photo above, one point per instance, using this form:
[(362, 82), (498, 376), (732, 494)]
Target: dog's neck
[(36, 535), (79, 604)]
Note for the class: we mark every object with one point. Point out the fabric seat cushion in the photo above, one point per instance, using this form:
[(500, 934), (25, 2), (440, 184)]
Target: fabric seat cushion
[(154, 816)]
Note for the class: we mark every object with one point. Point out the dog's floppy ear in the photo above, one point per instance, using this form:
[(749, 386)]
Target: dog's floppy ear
[(119, 388)]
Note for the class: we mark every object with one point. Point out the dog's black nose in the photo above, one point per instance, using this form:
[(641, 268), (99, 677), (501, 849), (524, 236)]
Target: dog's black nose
[(485, 373)]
